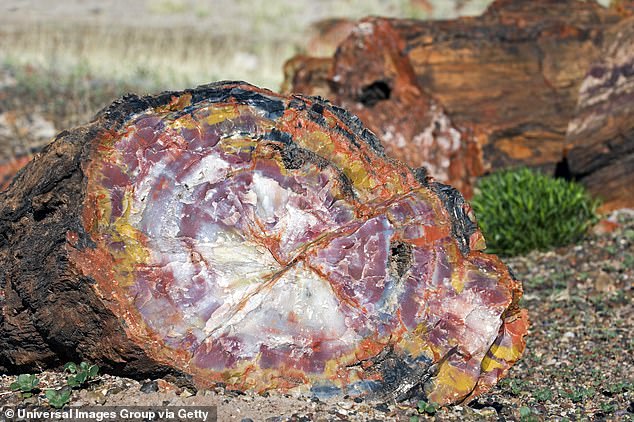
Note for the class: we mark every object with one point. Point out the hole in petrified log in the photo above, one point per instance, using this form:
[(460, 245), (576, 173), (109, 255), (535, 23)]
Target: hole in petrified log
[(562, 170), (373, 93), (42, 213), (400, 257)]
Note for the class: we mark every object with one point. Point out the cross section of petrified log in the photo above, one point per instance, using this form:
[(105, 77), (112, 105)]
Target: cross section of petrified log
[(251, 239)]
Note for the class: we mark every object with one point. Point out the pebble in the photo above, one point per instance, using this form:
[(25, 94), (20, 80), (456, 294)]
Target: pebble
[(97, 397), (149, 387), (345, 405), (186, 393), (382, 407), (486, 412), (116, 390)]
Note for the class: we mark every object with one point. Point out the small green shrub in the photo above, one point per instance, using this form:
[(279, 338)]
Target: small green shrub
[(26, 384), (58, 398), (578, 394), (522, 210), (543, 395), (80, 373), (429, 408), (79, 376), (527, 414)]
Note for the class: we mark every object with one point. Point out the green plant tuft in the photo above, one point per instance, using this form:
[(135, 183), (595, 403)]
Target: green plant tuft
[(522, 210), (26, 384), (429, 408), (80, 373), (58, 398)]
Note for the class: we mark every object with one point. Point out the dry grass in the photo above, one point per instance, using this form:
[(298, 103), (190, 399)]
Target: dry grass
[(170, 44)]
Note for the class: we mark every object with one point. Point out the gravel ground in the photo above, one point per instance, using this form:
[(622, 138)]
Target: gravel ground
[(578, 365)]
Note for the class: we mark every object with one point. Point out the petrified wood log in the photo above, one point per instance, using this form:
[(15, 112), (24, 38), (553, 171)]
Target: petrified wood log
[(512, 74), (601, 135), (261, 241), (509, 77)]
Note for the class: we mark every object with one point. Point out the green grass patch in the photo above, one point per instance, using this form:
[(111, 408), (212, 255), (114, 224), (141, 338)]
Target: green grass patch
[(522, 210)]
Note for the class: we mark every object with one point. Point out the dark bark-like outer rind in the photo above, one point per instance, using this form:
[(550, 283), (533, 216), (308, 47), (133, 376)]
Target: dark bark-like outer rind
[(49, 311), (601, 135)]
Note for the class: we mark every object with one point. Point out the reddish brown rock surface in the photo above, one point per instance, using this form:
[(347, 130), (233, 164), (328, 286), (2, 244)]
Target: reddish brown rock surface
[(512, 74), (508, 79), (9, 168), (601, 135)]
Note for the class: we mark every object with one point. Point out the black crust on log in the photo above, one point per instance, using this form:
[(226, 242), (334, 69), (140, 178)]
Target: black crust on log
[(37, 327), (403, 378), (293, 157), (461, 225), (422, 175), (121, 110)]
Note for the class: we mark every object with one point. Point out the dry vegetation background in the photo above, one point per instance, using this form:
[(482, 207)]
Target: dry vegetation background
[(62, 61), (170, 44)]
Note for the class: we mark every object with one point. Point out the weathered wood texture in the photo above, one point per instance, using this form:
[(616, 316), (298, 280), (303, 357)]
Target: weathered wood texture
[(601, 135), (255, 240), (508, 80)]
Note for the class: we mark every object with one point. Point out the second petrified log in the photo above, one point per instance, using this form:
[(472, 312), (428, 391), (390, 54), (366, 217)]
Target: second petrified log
[(255, 240), (508, 81), (384, 93)]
